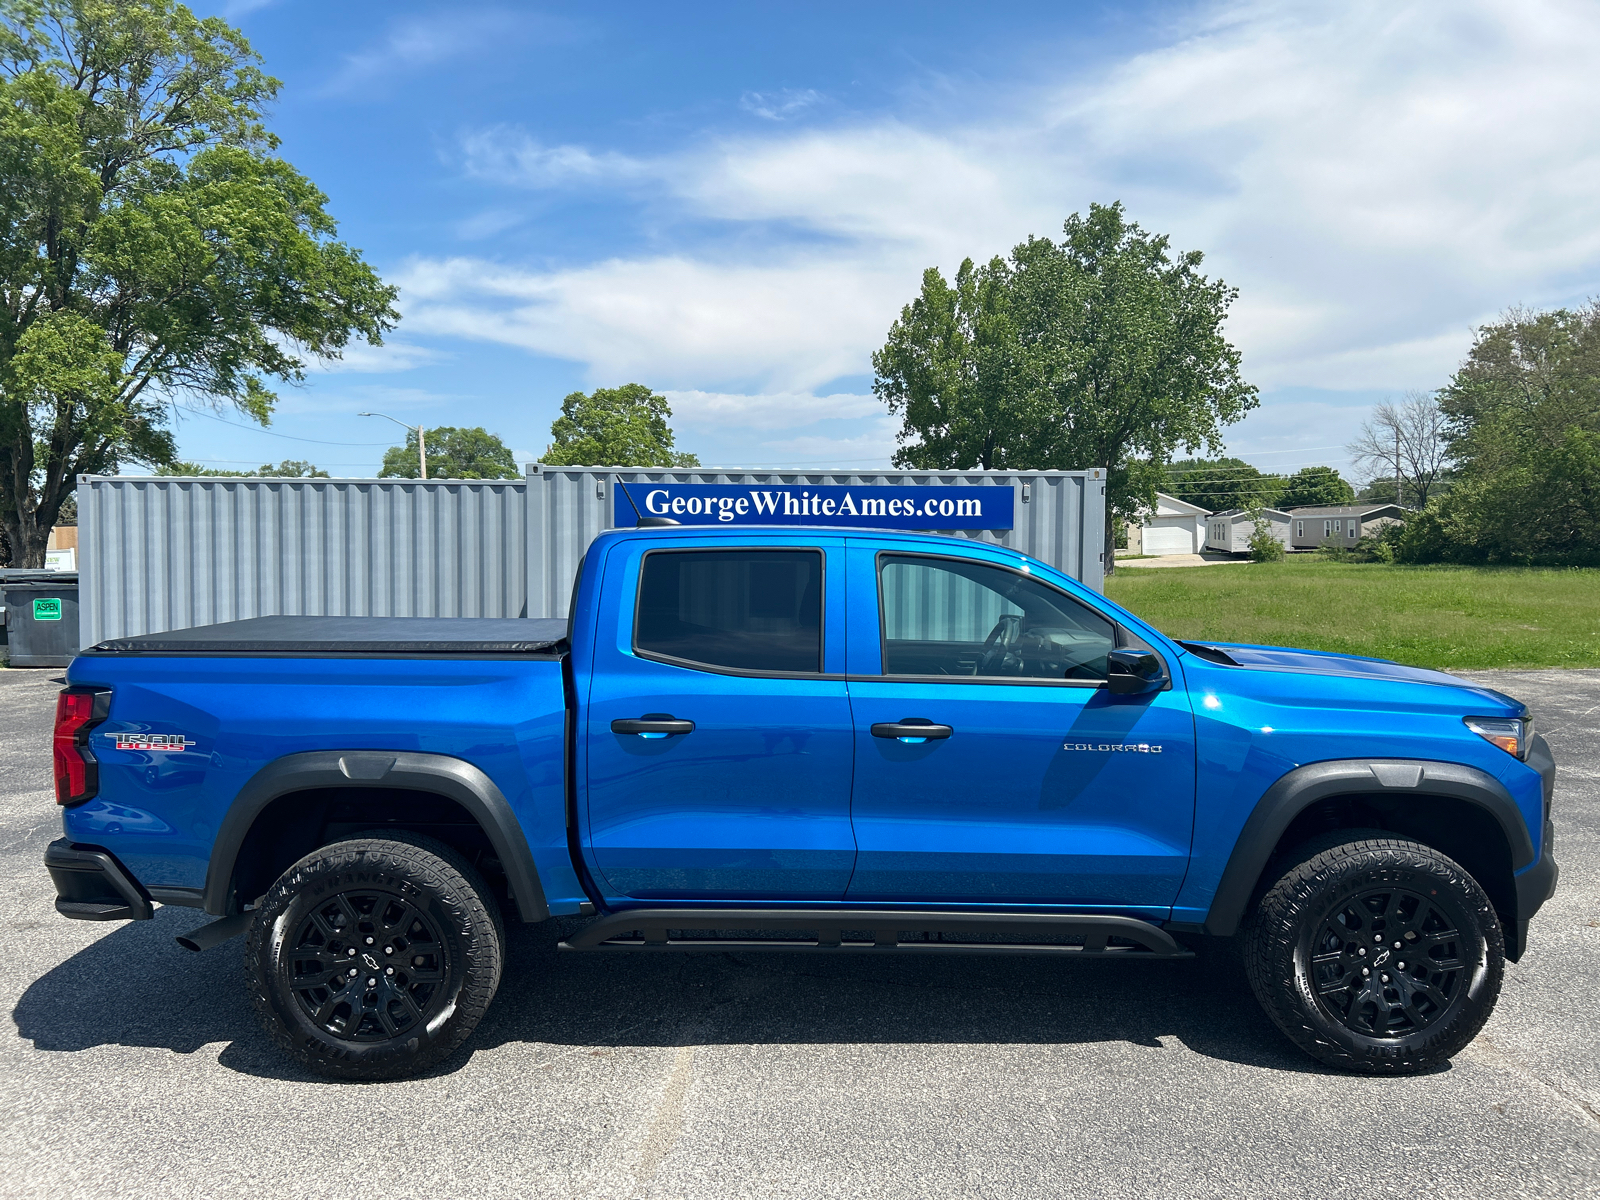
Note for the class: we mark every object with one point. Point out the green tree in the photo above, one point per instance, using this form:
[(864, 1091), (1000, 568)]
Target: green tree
[(1528, 379), (1264, 544), (615, 427), (153, 249), (1315, 486), (1101, 350), (289, 468), (452, 454), (1524, 429), (1221, 484)]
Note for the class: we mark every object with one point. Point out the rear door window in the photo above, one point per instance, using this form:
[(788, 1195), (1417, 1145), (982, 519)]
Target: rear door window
[(742, 610)]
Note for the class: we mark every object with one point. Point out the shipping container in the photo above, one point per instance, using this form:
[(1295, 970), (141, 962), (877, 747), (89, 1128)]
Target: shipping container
[(173, 553)]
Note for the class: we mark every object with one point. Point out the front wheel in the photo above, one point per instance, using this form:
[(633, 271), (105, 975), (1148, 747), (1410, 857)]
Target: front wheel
[(374, 958), (1377, 955)]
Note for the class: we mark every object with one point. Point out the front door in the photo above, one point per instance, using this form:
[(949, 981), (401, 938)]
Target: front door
[(718, 753), (1047, 789)]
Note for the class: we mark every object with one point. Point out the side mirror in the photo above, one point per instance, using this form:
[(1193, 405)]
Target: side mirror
[(1129, 672)]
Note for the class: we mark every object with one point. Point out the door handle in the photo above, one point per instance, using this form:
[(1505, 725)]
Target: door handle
[(912, 729), (654, 725)]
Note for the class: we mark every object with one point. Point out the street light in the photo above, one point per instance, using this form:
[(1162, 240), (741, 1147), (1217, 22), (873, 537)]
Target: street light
[(422, 442)]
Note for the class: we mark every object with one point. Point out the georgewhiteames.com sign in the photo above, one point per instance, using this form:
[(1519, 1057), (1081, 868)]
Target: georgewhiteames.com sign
[(879, 506)]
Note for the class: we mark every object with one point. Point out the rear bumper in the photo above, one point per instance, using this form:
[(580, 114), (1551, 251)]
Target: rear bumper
[(91, 885)]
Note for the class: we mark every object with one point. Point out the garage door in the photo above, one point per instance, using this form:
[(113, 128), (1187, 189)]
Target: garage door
[(1169, 539)]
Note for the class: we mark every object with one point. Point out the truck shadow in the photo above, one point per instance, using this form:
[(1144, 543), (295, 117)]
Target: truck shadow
[(136, 987)]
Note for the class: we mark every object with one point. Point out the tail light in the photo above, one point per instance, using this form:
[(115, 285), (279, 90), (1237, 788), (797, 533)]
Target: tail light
[(78, 711)]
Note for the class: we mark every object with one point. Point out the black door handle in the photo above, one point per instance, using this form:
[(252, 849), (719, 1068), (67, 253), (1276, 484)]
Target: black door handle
[(655, 725), (912, 727)]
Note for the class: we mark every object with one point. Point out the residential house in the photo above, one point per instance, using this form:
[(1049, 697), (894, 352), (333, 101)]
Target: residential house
[(1343, 525), (1230, 532)]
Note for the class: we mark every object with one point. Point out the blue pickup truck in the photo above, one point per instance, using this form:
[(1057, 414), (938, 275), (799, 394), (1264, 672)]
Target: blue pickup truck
[(803, 740)]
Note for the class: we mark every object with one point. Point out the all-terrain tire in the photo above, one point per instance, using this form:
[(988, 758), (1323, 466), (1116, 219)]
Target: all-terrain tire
[(1322, 957), (375, 957)]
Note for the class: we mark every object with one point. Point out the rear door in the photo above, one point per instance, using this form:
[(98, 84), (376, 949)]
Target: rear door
[(1047, 788), (718, 748)]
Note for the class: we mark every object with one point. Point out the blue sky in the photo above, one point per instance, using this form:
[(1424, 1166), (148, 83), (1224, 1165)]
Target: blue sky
[(730, 202)]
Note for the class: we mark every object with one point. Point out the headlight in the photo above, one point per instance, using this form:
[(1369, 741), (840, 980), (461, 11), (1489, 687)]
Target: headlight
[(1511, 734)]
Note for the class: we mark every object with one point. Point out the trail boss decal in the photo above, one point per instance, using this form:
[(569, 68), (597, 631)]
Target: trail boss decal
[(1115, 747), (151, 741)]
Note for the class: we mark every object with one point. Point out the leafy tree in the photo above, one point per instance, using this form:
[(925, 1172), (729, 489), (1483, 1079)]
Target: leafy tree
[(1101, 350), (1315, 486), (1379, 491), (452, 454), (615, 427), (1221, 484), (289, 468), (152, 247), (1264, 544), (1523, 413), (1528, 379)]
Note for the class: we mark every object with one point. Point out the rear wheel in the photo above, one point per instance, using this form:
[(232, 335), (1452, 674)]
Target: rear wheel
[(375, 958), (1378, 955)]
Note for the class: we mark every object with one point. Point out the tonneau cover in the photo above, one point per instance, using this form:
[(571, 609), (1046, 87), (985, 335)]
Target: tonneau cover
[(353, 635)]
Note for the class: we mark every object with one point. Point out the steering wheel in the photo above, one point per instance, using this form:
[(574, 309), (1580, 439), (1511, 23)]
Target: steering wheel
[(998, 642)]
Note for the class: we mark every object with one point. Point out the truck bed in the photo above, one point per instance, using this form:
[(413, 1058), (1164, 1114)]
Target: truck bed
[(302, 636)]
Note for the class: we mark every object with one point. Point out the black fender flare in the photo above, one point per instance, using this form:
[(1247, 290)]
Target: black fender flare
[(1304, 786), (438, 773)]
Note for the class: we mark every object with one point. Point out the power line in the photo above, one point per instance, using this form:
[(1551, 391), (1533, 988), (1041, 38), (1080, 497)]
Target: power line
[(271, 433)]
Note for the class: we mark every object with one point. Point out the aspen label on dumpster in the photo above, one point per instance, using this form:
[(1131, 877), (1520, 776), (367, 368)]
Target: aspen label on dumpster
[(876, 506), (47, 610)]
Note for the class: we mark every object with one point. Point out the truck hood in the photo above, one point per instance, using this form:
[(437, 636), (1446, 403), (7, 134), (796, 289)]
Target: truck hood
[(1324, 662)]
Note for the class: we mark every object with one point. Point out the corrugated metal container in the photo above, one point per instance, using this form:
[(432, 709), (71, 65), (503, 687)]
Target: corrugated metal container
[(172, 553), (1059, 516)]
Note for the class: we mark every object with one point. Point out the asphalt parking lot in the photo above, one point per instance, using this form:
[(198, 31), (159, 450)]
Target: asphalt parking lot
[(135, 1067)]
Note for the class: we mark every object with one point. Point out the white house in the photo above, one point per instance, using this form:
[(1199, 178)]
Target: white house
[(1229, 532), (1176, 527)]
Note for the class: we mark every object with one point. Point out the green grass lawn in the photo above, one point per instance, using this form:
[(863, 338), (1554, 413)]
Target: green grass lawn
[(1457, 618)]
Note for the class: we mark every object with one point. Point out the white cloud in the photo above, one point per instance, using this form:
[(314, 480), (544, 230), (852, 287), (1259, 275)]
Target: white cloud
[(780, 105), (864, 450), (507, 155), (669, 322), (776, 410), (358, 358), (1376, 178), (414, 43), (360, 398)]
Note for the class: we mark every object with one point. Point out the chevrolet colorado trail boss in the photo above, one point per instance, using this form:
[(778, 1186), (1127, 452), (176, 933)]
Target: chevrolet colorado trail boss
[(821, 740)]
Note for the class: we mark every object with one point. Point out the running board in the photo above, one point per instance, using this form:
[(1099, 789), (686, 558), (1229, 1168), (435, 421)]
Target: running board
[(875, 931)]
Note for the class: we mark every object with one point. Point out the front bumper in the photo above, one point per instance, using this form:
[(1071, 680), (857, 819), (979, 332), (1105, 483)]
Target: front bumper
[(1538, 883), (91, 885)]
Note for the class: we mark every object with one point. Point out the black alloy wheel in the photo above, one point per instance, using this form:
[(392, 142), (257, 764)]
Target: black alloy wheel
[(1374, 953), (368, 966), (375, 957), (1388, 962)]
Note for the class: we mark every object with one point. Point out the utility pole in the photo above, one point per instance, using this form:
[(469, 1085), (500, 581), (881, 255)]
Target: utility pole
[(422, 442), (1399, 487)]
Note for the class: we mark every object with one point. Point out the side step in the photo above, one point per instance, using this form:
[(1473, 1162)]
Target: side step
[(876, 931)]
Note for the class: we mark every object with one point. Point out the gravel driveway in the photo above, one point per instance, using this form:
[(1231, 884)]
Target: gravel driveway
[(137, 1069)]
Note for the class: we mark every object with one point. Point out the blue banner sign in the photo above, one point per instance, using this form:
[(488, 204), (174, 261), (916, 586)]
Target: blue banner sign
[(878, 506)]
